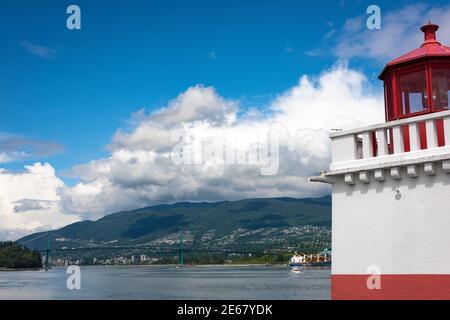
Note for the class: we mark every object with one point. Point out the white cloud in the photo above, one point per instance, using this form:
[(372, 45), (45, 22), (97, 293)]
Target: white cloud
[(140, 170), (14, 148), (39, 50), (196, 103), (400, 32), (39, 183), (6, 157)]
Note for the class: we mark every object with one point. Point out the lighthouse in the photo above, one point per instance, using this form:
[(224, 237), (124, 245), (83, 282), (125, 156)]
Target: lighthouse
[(391, 186)]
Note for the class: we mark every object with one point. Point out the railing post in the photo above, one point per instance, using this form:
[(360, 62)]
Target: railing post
[(398, 139), (414, 136), (382, 142), (367, 145), (432, 141), (447, 131)]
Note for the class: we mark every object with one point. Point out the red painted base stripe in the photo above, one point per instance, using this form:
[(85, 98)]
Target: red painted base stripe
[(393, 287)]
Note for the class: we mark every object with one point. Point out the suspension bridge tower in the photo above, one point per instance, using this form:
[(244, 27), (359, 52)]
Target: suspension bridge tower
[(47, 252), (180, 251), (390, 186)]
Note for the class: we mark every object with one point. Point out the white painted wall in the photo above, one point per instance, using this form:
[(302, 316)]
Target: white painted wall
[(406, 236)]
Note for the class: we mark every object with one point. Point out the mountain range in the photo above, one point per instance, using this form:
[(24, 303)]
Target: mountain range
[(243, 223)]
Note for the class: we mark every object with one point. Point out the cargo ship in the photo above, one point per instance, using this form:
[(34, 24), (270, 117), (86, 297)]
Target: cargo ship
[(322, 259)]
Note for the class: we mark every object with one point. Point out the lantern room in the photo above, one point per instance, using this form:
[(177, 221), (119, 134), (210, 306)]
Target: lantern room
[(419, 81)]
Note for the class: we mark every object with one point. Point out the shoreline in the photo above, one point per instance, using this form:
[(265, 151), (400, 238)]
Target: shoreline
[(19, 269), (202, 265), (182, 266), (175, 266)]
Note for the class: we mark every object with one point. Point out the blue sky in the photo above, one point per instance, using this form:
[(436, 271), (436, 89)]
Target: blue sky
[(139, 54)]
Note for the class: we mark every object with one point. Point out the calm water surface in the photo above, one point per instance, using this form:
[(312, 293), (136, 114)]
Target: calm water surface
[(169, 282)]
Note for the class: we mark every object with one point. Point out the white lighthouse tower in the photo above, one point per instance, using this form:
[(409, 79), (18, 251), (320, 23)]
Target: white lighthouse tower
[(391, 186)]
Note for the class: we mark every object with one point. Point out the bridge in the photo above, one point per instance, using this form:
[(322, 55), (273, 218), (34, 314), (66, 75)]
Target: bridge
[(87, 246)]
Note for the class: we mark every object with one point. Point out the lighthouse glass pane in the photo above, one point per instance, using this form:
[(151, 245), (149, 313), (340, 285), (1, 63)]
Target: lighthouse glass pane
[(440, 87), (413, 92)]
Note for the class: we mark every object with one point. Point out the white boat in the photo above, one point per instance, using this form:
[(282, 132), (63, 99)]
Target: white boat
[(297, 261)]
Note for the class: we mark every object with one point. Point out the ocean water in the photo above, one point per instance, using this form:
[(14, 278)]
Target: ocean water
[(169, 282)]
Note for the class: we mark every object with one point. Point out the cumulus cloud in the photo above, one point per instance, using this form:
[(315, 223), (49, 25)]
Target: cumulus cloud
[(18, 214), (142, 167), (196, 103), (141, 170), (399, 34)]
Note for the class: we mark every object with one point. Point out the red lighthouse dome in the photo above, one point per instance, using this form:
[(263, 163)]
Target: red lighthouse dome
[(419, 81)]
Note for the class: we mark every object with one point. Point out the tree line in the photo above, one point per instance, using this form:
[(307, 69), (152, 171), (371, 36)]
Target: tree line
[(14, 255)]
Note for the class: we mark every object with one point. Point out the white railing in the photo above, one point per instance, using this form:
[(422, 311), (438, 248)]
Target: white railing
[(372, 145)]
